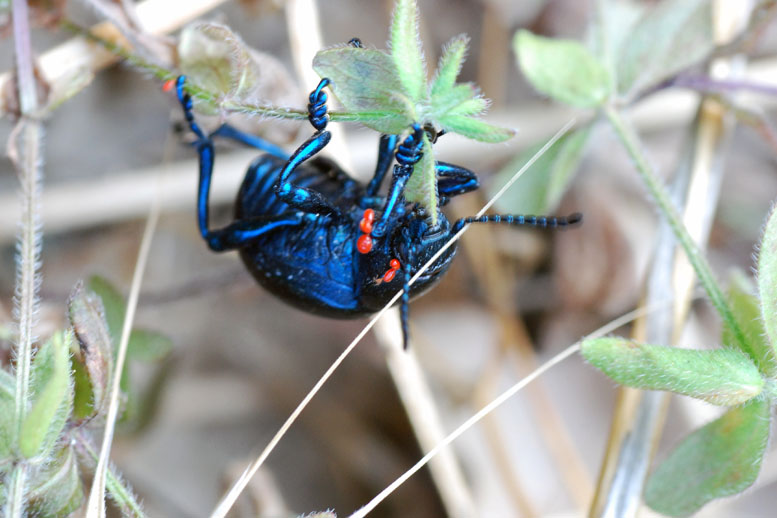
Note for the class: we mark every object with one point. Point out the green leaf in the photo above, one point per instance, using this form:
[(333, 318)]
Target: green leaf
[(747, 311), (422, 185), (87, 317), (52, 396), (7, 425), (451, 99), (669, 38), (57, 490), (365, 81), (148, 346), (216, 59), (562, 69), (7, 384), (475, 128), (452, 58), (721, 459), (406, 50), (719, 376), (540, 188), (767, 279)]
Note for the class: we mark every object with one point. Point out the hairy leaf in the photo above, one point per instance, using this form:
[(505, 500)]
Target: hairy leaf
[(475, 129), (669, 38), (747, 312), (720, 376), (562, 69), (406, 50), (720, 459), (452, 58), (365, 81), (7, 425), (52, 397), (57, 490)]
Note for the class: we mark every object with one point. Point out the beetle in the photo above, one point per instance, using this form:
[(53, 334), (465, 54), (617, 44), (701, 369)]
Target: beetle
[(321, 241)]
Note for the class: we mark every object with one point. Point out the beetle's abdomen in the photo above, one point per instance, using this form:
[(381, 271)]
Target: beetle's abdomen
[(310, 266)]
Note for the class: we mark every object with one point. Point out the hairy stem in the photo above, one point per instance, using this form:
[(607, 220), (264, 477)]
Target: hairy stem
[(14, 506), (24, 149), (630, 141), (120, 493)]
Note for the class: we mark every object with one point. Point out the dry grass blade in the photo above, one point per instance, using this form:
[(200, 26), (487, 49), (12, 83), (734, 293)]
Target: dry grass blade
[(493, 405), (96, 504), (228, 500)]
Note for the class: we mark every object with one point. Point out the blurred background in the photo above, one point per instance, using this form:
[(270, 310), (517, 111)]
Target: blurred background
[(242, 359)]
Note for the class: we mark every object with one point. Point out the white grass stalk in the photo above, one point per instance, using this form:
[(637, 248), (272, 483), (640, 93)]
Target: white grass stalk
[(96, 504), (493, 405), (229, 499)]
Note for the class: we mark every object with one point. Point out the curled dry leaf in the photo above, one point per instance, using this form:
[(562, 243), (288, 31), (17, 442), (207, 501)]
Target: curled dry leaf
[(216, 59), (87, 316)]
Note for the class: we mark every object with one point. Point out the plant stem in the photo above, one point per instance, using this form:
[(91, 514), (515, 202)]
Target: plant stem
[(657, 190), (15, 482), (24, 147), (122, 495)]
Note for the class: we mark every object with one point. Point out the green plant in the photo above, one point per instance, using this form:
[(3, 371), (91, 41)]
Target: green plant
[(634, 51)]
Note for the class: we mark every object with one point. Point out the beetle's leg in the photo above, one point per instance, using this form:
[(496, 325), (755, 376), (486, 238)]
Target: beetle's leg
[(241, 232), (302, 198), (230, 132), (388, 143), (408, 153), (518, 219), (453, 180)]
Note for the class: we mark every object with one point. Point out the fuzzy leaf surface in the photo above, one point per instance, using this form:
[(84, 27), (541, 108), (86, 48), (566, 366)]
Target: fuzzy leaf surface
[(719, 376), (722, 458), (747, 312), (52, 397), (450, 65), (475, 129), (562, 69), (365, 81), (767, 279), (57, 490), (406, 49), (7, 409), (668, 38)]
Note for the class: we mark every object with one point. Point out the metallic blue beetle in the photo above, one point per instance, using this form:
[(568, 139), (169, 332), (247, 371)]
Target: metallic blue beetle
[(316, 238)]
